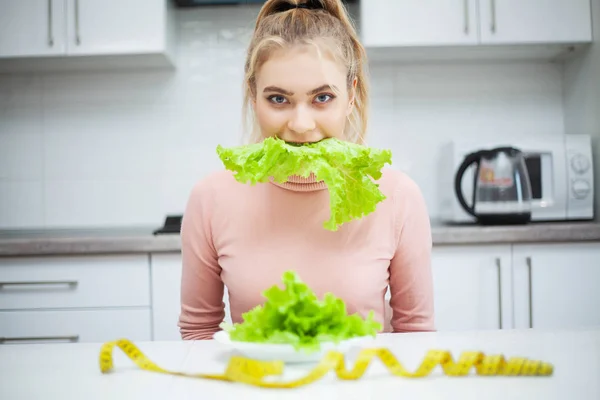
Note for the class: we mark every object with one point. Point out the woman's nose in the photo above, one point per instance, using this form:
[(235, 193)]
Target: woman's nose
[(301, 121)]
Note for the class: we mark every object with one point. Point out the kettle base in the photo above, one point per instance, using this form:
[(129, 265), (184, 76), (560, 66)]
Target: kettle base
[(504, 219)]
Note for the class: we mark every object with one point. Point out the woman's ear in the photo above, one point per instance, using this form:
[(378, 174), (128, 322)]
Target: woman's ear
[(352, 96), (252, 98)]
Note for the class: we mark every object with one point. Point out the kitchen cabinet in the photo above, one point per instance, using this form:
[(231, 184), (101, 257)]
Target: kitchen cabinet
[(474, 22), (166, 296), (517, 286), (556, 285), (165, 270), (74, 298), (68, 30), (74, 282), (74, 326), (418, 22), (535, 21), (32, 28), (471, 287), (97, 27), (476, 287)]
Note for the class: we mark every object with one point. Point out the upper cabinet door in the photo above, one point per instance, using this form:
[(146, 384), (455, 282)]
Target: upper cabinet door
[(535, 21), (32, 28), (418, 22), (97, 27)]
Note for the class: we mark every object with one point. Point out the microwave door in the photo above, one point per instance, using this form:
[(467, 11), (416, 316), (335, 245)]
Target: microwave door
[(534, 169), (543, 173)]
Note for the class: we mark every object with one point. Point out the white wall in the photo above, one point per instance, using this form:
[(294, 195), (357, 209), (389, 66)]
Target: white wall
[(124, 148), (582, 96)]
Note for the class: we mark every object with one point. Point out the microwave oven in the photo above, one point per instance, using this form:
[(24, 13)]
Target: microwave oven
[(561, 172)]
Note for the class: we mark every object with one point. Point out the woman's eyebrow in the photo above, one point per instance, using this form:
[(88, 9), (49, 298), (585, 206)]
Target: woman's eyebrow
[(276, 89), (323, 88)]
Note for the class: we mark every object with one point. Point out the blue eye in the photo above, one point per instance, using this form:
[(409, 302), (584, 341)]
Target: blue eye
[(277, 99), (324, 98)]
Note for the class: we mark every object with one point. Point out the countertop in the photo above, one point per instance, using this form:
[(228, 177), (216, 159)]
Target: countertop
[(141, 239), (71, 371)]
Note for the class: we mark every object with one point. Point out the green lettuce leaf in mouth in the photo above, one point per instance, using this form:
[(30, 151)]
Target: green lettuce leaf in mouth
[(348, 170), (294, 315)]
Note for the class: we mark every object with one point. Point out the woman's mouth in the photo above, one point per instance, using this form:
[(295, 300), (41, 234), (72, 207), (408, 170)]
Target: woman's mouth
[(295, 143)]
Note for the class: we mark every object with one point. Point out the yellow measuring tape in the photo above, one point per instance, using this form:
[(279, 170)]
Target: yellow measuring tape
[(253, 372)]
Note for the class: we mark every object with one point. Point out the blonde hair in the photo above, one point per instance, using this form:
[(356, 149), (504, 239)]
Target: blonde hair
[(281, 23)]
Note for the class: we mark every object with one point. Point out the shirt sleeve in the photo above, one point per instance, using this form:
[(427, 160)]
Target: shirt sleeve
[(202, 307), (411, 281)]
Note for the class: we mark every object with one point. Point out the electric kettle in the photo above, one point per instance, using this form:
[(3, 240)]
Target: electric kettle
[(501, 186)]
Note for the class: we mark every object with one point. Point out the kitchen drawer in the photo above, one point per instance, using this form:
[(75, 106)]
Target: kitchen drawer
[(47, 326), (74, 282)]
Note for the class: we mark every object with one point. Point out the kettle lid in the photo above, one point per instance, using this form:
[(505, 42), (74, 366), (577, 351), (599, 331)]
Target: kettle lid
[(511, 151)]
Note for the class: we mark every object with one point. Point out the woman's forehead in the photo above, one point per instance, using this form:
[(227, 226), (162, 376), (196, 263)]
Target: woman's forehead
[(300, 69)]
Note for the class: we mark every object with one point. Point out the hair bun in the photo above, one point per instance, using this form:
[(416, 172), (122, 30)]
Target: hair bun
[(309, 5)]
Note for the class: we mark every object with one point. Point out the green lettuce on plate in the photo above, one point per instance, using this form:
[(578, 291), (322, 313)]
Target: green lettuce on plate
[(348, 169), (294, 315)]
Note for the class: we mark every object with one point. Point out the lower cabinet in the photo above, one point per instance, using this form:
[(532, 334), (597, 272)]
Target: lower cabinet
[(98, 298), (72, 326), (84, 298), (556, 285), (545, 286), (165, 272), (471, 287)]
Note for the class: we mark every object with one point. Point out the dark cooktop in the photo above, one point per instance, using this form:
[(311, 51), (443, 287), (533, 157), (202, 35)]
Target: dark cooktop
[(172, 225)]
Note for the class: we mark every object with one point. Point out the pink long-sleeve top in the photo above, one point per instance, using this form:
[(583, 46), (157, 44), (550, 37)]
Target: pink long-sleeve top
[(245, 236)]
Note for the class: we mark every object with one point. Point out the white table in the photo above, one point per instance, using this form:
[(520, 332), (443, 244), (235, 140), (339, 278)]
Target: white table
[(71, 371)]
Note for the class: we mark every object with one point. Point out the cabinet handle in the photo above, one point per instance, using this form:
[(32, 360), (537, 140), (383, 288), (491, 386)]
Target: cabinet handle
[(73, 338), (466, 9), (77, 36), (50, 25), (493, 15), (499, 268), (38, 283), (529, 273)]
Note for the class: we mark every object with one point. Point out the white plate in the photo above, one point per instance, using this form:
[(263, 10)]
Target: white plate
[(286, 352)]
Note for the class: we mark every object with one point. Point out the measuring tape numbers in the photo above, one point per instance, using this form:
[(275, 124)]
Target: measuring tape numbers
[(253, 372)]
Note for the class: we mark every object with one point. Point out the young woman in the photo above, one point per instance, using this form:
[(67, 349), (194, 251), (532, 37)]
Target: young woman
[(305, 81)]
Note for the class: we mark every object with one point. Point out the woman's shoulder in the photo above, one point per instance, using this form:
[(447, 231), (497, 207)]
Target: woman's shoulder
[(213, 184), (216, 179), (404, 196), (394, 183)]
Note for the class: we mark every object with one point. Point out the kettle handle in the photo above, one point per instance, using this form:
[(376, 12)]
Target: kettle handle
[(467, 162)]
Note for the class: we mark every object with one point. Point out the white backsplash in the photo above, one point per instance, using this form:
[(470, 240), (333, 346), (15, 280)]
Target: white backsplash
[(124, 148)]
